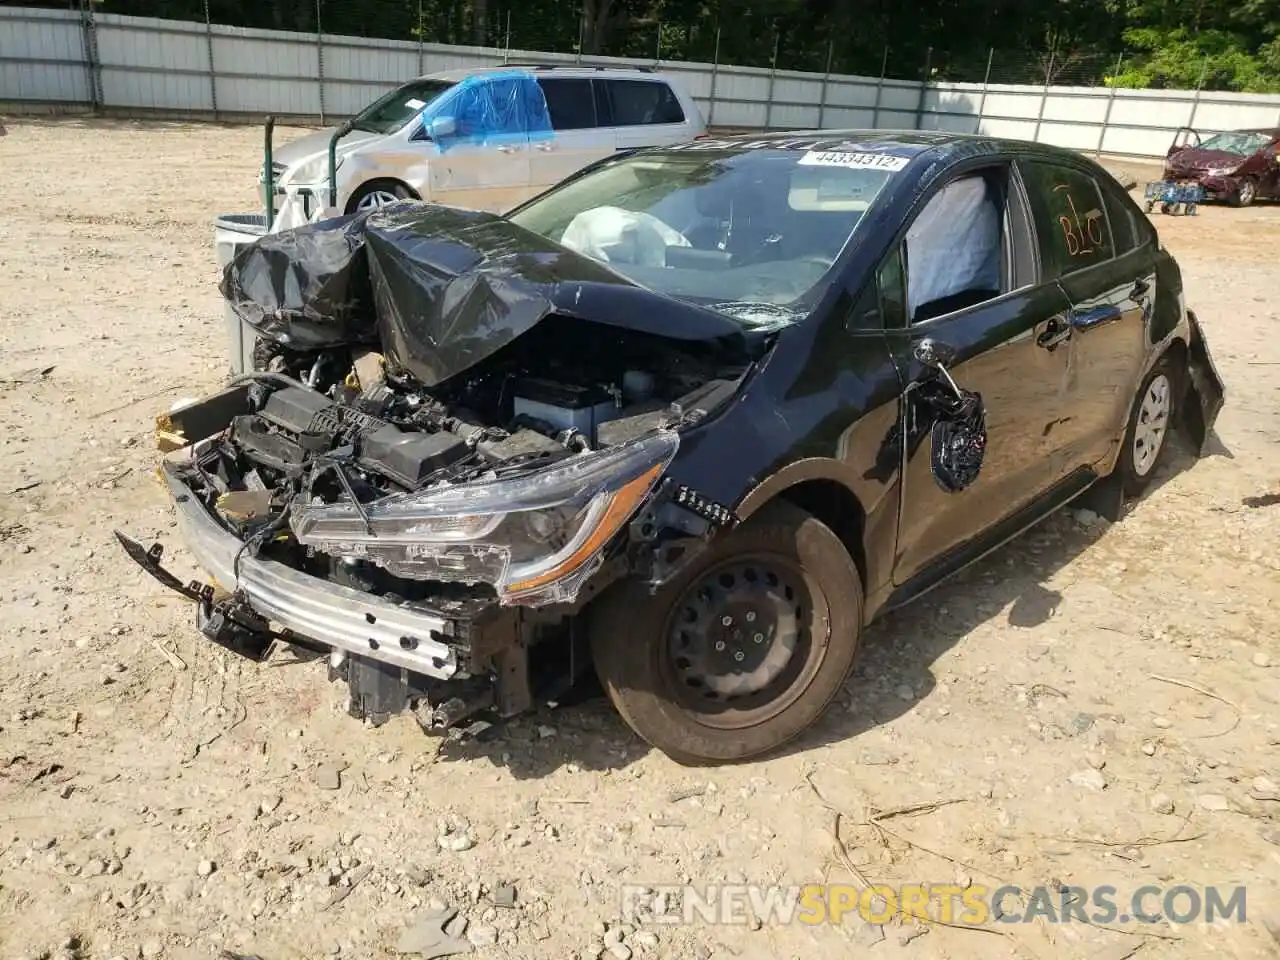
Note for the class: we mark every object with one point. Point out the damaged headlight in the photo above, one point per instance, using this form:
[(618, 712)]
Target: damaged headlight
[(536, 538)]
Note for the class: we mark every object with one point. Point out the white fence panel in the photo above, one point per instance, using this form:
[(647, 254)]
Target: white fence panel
[(48, 51), (145, 63)]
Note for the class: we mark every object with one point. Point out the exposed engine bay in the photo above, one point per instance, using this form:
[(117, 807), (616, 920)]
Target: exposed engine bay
[(340, 427), (564, 388), (445, 451)]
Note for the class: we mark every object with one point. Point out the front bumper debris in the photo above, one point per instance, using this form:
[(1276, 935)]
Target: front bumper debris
[(318, 610)]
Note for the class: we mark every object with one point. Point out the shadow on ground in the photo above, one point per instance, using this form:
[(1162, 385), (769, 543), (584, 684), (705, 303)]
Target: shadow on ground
[(893, 672)]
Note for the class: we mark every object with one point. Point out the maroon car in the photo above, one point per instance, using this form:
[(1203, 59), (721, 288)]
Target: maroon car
[(1238, 166)]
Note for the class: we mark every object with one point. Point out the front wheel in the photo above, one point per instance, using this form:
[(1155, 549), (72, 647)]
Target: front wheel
[(379, 193), (740, 653), (1245, 194)]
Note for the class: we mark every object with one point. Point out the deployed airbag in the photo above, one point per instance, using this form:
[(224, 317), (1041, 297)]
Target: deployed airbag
[(615, 235), (954, 245)]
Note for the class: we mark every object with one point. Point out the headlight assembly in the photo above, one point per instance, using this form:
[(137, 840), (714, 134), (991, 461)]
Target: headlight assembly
[(315, 170), (535, 538)]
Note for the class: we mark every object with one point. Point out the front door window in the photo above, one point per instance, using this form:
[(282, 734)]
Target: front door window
[(953, 250)]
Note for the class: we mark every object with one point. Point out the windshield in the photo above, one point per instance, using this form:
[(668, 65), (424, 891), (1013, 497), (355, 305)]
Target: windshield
[(750, 233), (1241, 143), (392, 111)]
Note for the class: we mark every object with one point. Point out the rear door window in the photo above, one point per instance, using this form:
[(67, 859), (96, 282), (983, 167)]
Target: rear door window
[(643, 103), (1069, 216), (570, 102)]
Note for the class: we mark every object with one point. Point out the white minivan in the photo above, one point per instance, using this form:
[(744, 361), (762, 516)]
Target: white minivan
[(487, 139)]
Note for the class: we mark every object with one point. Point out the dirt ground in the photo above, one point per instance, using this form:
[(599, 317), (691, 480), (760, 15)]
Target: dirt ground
[(159, 798)]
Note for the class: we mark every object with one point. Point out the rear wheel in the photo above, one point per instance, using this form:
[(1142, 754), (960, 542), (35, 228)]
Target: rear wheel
[(379, 193), (1149, 423), (741, 652)]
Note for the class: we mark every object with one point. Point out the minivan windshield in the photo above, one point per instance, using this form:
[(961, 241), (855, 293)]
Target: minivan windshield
[(392, 111), (1243, 143), (751, 233)]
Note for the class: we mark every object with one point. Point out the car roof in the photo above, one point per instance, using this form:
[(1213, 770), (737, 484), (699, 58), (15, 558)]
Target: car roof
[(568, 70), (910, 142)]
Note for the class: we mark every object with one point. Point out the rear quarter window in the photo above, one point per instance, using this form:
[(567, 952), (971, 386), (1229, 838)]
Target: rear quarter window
[(643, 103), (1071, 224), (1130, 227)]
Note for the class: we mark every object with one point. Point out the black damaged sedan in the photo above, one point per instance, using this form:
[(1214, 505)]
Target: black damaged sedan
[(694, 417)]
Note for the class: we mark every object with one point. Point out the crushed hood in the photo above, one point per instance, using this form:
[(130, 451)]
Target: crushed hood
[(1195, 159), (440, 288), (452, 287)]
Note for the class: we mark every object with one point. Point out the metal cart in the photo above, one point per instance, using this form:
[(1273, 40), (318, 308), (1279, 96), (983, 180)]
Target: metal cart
[(1174, 197)]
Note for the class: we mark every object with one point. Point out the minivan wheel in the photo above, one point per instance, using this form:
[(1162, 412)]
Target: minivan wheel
[(1150, 421), (379, 193), (742, 651)]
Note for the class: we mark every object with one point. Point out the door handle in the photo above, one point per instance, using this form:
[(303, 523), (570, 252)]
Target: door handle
[(546, 147), (1055, 332), (506, 149)]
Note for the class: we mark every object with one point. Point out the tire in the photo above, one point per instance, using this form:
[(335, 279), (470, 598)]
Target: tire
[(1245, 193), (665, 660), (1141, 455), (389, 190)]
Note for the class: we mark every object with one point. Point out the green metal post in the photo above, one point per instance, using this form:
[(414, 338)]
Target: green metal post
[(268, 175)]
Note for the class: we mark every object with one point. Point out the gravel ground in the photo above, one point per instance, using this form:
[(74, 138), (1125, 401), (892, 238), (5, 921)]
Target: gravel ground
[(159, 798)]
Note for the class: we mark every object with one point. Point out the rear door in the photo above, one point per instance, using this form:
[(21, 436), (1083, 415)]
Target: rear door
[(1092, 244), (1005, 328), (579, 136), (645, 113)]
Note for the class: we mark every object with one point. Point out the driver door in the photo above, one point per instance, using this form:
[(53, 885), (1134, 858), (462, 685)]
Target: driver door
[(964, 278), (484, 163)]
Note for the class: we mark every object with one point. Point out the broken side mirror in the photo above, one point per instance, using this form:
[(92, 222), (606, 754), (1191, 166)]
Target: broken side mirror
[(933, 354), (938, 356), (440, 128)]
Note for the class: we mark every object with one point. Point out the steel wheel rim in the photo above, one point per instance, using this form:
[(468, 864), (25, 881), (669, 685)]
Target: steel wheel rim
[(375, 199), (1152, 424), (698, 655), (1246, 191)]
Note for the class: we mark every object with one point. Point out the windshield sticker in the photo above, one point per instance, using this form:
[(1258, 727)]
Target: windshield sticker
[(413, 103), (839, 158)]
